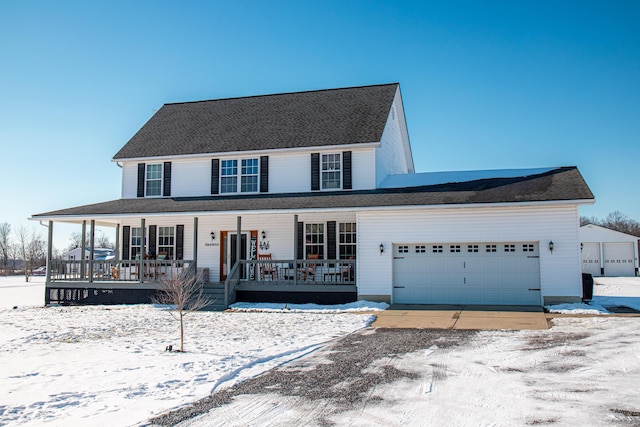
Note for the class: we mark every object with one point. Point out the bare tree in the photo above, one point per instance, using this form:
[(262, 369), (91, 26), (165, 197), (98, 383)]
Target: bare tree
[(185, 293), (22, 234), (102, 241), (615, 221), (32, 249), (5, 245)]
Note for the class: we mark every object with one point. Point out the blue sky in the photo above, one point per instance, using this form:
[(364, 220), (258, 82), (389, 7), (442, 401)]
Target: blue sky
[(485, 84)]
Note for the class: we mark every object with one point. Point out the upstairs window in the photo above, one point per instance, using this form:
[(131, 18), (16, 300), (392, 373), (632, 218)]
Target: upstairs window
[(245, 179), (229, 176), (249, 178), (330, 171), (154, 180)]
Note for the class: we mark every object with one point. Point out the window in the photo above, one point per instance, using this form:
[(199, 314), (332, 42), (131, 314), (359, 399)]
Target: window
[(314, 239), (490, 248), (249, 178), (136, 242), (330, 167), (229, 176), (472, 248), (527, 247), (403, 249), (166, 241), (436, 249), (454, 248), (154, 180), (347, 240), (246, 180), (420, 249), (509, 248)]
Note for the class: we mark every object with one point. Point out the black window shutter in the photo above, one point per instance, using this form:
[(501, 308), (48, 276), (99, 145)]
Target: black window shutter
[(126, 241), (151, 245), (264, 174), (346, 170), (215, 175), (331, 240), (166, 177), (315, 171), (300, 242), (141, 170), (179, 241)]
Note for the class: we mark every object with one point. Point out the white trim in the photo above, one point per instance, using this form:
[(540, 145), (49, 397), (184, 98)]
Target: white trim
[(320, 148)]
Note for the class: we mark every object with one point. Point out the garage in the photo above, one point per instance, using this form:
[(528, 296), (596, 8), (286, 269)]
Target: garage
[(618, 258), (506, 273), (591, 258)]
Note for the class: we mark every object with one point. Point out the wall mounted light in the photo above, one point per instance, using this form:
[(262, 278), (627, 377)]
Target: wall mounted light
[(581, 246), (551, 246), (264, 235), (381, 248), (213, 235)]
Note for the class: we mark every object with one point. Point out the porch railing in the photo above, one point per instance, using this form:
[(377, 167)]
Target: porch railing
[(289, 272), (117, 270)]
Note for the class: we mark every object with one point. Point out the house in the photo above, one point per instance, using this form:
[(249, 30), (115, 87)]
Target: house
[(75, 259), (313, 196), (607, 252)]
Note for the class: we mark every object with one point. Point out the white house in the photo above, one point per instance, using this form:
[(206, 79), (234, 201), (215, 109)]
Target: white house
[(323, 184), (608, 252)]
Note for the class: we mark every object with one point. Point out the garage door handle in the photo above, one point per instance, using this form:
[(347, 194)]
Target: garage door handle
[(533, 256), (398, 257), (534, 289), (398, 287)]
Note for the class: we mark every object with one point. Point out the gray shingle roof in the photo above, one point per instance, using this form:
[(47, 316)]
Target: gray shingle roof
[(290, 120), (564, 183)]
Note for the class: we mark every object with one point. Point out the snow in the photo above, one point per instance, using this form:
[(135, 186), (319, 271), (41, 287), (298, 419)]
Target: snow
[(608, 292), (355, 307), (436, 178), (107, 365)]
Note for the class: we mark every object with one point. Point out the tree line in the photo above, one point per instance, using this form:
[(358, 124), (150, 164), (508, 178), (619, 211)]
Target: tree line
[(25, 249), (615, 221)]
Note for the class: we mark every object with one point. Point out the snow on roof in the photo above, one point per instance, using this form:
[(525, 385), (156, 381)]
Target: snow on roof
[(435, 178)]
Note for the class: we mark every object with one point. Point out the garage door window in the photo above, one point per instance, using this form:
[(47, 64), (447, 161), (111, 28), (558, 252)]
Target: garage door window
[(437, 249), (509, 248), (527, 248), (490, 248), (454, 248), (420, 249), (403, 249), (472, 248)]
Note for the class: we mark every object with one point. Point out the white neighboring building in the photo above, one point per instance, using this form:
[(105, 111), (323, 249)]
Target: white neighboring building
[(98, 254), (607, 252)]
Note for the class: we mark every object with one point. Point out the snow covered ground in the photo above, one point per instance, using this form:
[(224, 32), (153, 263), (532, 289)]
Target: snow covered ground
[(107, 365), (608, 292)]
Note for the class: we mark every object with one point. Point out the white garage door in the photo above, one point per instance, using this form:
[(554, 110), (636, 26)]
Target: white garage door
[(618, 259), (467, 273), (591, 258)]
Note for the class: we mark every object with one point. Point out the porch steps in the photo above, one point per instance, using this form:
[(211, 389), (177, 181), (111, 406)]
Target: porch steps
[(214, 291)]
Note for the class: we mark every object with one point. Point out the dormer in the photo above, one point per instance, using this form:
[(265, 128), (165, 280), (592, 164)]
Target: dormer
[(327, 140)]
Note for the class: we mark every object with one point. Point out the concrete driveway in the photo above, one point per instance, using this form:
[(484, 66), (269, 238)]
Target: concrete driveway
[(466, 317)]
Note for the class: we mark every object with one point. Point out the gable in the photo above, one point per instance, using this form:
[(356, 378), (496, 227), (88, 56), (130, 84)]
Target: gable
[(331, 117)]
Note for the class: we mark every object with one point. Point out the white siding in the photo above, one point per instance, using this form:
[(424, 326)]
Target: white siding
[(288, 173), (129, 180), (394, 155), (559, 271)]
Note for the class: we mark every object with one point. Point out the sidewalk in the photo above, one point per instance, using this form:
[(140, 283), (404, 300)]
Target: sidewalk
[(465, 317)]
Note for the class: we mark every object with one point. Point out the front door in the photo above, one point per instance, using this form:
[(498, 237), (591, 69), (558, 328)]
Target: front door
[(232, 252)]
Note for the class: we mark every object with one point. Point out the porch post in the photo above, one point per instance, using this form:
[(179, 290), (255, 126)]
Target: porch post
[(83, 245), (143, 250), (49, 252), (92, 245), (117, 248), (195, 244), (238, 239), (295, 249)]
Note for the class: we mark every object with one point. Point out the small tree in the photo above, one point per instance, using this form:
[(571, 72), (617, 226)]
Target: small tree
[(5, 245), (185, 293)]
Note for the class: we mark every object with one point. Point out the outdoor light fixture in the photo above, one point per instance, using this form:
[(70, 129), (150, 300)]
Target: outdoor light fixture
[(381, 248), (213, 235), (551, 246), (581, 246), (264, 235)]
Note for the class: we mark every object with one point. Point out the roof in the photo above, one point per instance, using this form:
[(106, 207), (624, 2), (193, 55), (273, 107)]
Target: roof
[(291, 120), (434, 178), (600, 233), (564, 183)]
